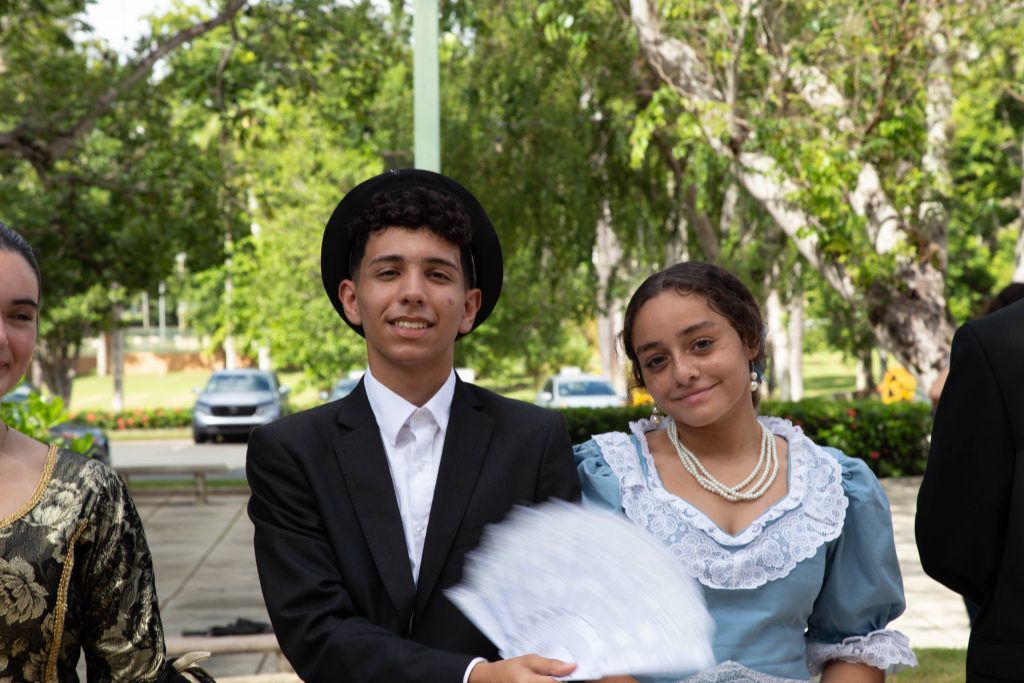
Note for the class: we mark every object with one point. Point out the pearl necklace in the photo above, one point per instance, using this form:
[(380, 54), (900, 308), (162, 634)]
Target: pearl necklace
[(768, 461)]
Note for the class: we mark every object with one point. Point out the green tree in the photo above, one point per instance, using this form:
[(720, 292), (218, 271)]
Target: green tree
[(300, 111), (836, 120), (93, 168)]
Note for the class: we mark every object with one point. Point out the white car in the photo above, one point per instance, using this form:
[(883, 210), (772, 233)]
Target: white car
[(579, 391)]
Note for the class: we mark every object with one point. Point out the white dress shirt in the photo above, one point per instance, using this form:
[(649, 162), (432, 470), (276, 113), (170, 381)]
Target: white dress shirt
[(413, 440)]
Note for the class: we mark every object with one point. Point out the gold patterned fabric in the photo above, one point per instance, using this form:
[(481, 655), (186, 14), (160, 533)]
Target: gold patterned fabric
[(76, 574)]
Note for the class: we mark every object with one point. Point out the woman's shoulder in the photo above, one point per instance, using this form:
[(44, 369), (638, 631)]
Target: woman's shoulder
[(90, 478), (857, 481), (611, 462), (614, 445)]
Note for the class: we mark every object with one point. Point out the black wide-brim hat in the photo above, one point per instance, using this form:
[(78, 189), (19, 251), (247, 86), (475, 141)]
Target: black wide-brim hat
[(484, 247)]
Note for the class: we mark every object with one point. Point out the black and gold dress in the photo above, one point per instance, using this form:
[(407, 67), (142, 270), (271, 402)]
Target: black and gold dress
[(76, 575)]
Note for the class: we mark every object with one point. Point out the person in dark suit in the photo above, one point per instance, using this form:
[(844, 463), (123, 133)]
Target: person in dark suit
[(970, 509), (364, 508)]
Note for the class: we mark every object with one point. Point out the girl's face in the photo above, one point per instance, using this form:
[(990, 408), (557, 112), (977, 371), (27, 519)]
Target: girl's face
[(19, 312), (692, 360)]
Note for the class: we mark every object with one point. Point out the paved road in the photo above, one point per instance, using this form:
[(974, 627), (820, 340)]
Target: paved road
[(179, 452)]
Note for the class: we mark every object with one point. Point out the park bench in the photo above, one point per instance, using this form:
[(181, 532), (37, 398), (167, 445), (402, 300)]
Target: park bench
[(265, 643), (197, 472)]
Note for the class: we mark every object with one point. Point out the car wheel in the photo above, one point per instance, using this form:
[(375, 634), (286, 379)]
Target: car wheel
[(198, 436)]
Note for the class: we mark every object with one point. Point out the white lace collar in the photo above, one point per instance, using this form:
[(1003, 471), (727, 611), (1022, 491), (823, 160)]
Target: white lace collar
[(810, 514)]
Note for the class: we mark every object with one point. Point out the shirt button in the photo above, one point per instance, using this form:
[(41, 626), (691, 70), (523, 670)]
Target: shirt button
[(419, 529)]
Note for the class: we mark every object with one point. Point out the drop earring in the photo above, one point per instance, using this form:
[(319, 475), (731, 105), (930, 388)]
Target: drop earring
[(655, 415), (754, 383)]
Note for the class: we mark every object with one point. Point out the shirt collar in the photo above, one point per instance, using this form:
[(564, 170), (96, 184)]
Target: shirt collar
[(392, 411)]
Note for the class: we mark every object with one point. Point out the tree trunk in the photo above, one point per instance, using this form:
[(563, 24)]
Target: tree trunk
[(57, 364), (865, 374), (607, 255), (795, 330), (117, 360), (779, 346), (162, 310), (103, 355)]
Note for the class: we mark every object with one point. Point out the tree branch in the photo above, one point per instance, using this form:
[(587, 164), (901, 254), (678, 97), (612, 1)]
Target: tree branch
[(20, 140)]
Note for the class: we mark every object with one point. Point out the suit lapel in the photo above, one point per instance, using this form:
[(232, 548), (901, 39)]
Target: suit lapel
[(364, 467), (465, 449)]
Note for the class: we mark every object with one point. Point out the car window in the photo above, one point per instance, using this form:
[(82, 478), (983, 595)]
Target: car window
[(585, 388), (547, 386), (220, 384)]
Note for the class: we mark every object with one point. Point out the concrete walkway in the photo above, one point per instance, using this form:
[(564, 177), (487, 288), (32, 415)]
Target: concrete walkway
[(205, 570), (206, 574), (935, 615)]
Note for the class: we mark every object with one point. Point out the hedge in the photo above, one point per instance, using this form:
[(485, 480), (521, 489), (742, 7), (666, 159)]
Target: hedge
[(892, 438), (138, 418)]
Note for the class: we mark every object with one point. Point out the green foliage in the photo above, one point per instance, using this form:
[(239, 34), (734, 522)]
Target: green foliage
[(891, 439), (106, 194), (238, 151), (35, 416), (586, 422), (299, 122)]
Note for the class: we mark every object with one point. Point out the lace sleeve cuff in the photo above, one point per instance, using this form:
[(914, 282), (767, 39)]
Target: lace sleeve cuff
[(884, 649)]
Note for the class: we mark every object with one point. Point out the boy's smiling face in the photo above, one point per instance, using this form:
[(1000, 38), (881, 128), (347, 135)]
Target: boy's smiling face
[(410, 296)]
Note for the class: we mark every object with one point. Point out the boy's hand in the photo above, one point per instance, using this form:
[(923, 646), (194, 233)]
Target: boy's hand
[(524, 669)]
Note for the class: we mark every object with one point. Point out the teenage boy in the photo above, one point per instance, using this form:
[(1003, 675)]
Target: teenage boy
[(970, 508), (364, 508)]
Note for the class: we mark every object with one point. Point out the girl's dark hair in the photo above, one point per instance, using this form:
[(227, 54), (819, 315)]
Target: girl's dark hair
[(14, 242), (1006, 296), (726, 295)]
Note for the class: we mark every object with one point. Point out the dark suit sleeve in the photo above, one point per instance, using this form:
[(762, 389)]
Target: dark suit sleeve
[(963, 504), (558, 476), (309, 604)]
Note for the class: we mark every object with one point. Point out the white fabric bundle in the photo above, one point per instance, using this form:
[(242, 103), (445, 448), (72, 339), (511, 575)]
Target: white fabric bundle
[(584, 585)]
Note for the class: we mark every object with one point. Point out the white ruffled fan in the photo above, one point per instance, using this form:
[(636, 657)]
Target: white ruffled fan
[(585, 586)]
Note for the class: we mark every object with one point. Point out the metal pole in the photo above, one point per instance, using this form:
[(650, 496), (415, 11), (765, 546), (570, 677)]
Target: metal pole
[(426, 91)]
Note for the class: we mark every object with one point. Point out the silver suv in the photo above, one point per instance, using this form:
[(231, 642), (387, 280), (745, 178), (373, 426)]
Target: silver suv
[(236, 401)]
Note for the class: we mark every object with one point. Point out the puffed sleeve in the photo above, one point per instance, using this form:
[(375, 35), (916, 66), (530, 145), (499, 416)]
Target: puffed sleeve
[(122, 635), (862, 590), (598, 481)]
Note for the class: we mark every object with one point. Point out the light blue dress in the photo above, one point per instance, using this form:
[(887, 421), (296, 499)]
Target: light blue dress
[(814, 578)]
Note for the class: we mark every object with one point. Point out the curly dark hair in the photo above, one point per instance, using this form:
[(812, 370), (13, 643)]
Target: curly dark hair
[(726, 295), (12, 241), (415, 209)]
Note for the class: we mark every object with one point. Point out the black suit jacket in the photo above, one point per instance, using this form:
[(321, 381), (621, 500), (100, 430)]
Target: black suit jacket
[(970, 510), (330, 546)]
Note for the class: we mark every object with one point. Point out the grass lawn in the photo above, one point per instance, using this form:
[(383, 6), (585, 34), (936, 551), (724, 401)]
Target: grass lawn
[(171, 390), (935, 666), (827, 373)]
